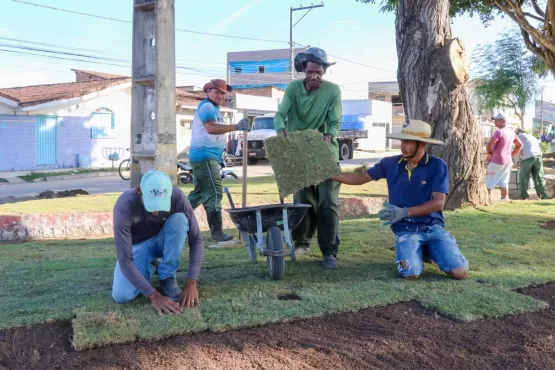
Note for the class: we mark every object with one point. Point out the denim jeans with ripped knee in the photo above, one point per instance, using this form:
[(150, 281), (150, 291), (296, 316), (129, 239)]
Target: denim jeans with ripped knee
[(434, 241)]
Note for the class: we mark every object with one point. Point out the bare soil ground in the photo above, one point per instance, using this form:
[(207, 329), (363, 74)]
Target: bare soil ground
[(402, 336)]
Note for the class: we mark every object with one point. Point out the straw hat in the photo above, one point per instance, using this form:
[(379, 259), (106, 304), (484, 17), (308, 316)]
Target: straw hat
[(414, 129)]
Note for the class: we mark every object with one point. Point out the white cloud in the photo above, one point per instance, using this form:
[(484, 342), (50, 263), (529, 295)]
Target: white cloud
[(236, 15)]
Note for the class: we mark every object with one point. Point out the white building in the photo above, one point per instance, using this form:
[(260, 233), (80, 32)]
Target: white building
[(78, 124)]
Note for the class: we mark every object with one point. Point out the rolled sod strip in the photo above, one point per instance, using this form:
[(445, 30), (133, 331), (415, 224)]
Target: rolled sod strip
[(300, 160)]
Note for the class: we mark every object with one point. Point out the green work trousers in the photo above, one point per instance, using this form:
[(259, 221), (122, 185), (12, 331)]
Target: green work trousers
[(532, 166), (322, 216), (208, 189)]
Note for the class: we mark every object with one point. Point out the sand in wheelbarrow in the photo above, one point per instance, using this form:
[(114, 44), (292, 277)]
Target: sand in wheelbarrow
[(300, 160)]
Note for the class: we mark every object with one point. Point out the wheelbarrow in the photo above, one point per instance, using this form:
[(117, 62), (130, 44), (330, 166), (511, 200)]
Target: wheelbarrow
[(277, 221)]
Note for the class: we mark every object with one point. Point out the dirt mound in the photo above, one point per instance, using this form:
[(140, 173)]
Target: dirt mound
[(49, 194), (403, 336)]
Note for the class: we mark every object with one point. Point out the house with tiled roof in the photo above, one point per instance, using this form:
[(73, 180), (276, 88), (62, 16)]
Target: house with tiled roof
[(77, 124)]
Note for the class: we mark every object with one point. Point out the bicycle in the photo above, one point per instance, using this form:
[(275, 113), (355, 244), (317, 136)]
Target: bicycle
[(124, 168)]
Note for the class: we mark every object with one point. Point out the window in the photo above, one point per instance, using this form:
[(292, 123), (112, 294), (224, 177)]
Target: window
[(102, 124), (261, 69), (263, 123), (185, 126), (238, 69)]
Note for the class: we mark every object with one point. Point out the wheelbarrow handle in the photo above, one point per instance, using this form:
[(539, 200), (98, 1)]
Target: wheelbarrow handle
[(226, 190)]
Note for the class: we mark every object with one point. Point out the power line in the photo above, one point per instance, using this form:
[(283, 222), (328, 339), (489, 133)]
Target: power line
[(128, 55), (30, 48), (55, 57), (351, 61), (192, 31), (105, 61), (56, 52), (126, 21)]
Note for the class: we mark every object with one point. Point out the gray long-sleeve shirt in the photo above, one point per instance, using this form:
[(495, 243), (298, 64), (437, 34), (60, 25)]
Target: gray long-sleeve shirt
[(133, 224)]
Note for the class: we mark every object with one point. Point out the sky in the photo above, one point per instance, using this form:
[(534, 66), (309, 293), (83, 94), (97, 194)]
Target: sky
[(345, 28)]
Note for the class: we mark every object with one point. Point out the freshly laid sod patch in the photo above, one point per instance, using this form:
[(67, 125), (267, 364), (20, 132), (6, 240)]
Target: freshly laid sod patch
[(261, 190), (131, 322), (301, 159), (505, 244)]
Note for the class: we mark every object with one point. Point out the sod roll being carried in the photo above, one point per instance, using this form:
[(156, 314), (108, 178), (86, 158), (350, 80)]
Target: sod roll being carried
[(302, 159)]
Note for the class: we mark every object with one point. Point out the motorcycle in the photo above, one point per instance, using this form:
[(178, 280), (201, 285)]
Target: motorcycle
[(185, 172)]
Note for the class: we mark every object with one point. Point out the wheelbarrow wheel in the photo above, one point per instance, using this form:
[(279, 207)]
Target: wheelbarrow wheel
[(276, 264), (250, 245)]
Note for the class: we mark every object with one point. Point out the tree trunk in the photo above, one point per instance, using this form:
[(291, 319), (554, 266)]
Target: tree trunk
[(432, 74)]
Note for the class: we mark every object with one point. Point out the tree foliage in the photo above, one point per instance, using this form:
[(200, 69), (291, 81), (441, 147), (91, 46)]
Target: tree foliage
[(535, 18), (505, 75)]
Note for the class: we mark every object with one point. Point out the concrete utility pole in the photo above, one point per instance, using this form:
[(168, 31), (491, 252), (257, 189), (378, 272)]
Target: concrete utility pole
[(153, 130), (291, 25)]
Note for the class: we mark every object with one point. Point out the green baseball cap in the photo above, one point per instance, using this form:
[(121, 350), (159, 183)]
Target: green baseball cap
[(157, 188)]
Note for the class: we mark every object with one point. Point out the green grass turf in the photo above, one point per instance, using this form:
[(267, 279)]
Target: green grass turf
[(62, 280)]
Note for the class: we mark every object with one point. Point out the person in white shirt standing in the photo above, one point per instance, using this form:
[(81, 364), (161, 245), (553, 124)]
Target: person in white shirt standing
[(530, 164)]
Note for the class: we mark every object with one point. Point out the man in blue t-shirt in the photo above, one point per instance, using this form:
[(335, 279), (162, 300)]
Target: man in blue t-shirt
[(207, 146), (417, 184)]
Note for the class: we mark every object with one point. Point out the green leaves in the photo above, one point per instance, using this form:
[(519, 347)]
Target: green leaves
[(506, 75)]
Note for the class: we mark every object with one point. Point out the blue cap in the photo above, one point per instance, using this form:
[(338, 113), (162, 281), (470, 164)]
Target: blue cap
[(157, 188)]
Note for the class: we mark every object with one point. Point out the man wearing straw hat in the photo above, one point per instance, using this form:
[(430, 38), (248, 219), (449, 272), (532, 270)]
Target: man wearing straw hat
[(417, 184)]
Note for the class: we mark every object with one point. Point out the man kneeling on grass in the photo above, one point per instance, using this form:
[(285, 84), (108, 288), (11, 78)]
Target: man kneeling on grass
[(150, 222), (417, 184)]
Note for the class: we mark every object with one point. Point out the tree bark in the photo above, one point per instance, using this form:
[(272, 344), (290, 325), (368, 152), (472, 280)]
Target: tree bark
[(432, 74)]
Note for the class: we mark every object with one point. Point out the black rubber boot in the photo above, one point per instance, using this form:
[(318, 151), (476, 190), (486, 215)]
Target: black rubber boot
[(216, 227)]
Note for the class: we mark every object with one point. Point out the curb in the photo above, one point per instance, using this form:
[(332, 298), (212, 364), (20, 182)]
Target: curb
[(59, 178), (80, 225)]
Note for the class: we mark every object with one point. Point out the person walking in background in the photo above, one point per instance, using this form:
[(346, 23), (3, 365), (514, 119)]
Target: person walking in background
[(530, 164), (500, 157)]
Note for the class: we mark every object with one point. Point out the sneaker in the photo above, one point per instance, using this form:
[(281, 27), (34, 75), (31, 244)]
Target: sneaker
[(170, 289), (329, 262)]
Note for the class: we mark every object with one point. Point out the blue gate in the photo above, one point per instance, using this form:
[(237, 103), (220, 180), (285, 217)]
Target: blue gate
[(46, 140)]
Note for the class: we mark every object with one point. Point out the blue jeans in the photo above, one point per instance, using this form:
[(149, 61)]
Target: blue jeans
[(166, 245), (440, 246)]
